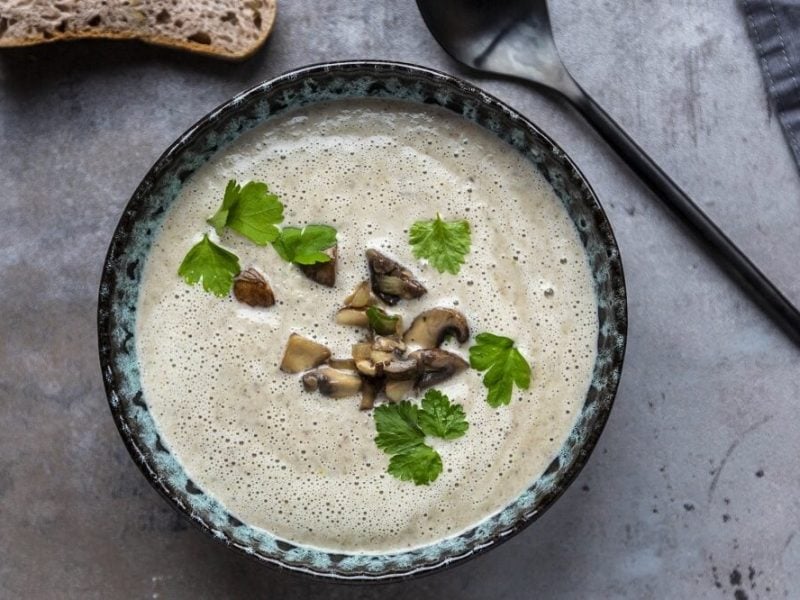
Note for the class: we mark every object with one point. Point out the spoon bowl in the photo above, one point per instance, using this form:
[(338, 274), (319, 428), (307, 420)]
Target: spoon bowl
[(511, 38)]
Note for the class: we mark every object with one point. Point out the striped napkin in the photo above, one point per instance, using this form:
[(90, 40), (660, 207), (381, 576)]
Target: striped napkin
[(774, 27)]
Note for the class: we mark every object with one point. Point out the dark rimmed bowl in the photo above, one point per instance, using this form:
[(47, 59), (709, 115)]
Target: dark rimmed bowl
[(133, 237)]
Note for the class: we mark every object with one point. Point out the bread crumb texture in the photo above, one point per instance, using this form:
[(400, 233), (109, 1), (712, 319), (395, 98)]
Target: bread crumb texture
[(226, 28)]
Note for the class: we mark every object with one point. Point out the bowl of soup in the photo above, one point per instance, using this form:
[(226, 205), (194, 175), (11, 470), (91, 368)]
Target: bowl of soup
[(393, 399)]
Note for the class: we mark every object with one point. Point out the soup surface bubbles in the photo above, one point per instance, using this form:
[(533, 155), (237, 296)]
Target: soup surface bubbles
[(305, 467)]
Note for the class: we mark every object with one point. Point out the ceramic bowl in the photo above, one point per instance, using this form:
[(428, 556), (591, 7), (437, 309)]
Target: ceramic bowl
[(134, 235)]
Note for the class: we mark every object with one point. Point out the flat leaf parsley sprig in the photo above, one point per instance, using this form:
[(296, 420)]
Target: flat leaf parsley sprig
[(250, 210), (442, 243), (305, 246), (212, 264), (402, 428), (504, 366)]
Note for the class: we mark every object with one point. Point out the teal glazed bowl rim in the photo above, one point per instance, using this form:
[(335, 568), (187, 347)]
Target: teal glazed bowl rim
[(140, 221)]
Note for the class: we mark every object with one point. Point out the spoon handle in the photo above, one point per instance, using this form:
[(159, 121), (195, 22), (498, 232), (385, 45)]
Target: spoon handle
[(728, 256)]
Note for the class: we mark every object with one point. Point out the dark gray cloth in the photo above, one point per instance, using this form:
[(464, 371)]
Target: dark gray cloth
[(774, 27)]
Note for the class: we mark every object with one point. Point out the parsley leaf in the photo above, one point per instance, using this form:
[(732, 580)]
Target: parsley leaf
[(504, 364), (381, 322), (443, 243), (397, 427), (402, 428), (220, 218), (305, 246), (421, 464), (212, 264), (439, 418), (251, 211)]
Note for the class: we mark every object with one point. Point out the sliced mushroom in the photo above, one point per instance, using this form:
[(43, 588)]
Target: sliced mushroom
[(302, 354), (390, 281), (361, 296), (369, 367), (406, 369), (348, 364), (323, 273), (354, 317), (252, 288), (379, 356), (429, 328), (388, 344), (398, 389), (332, 382), (361, 351), (382, 356), (369, 391), (437, 365)]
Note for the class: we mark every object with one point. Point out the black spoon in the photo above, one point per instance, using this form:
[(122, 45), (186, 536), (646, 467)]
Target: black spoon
[(514, 38)]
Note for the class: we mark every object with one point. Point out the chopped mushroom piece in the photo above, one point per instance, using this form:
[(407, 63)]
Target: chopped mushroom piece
[(252, 288), (302, 354), (397, 389), (429, 328), (369, 391), (332, 382), (354, 317), (369, 368), (384, 359), (323, 273), (437, 365), (402, 369), (390, 281), (361, 351), (379, 356), (361, 296), (388, 344), (347, 364)]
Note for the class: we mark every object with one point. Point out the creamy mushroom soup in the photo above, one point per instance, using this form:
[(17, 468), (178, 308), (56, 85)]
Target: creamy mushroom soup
[(303, 466)]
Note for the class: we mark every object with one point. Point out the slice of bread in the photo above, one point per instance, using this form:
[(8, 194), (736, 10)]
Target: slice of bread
[(226, 28)]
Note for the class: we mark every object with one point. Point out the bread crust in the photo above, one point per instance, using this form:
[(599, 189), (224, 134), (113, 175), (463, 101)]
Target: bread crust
[(268, 21)]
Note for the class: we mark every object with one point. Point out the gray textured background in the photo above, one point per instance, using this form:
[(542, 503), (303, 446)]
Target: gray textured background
[(693, 490)]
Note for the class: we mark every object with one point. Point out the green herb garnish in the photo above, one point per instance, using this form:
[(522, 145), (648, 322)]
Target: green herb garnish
[(504, 364), (398, 427), (211, 264), (305, 246), (250, 210), (443, 243), (402, 428), (440, 418), (420, 464), (381, 322)]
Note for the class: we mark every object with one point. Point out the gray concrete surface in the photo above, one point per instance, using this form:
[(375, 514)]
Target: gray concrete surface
[(694, 490)]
